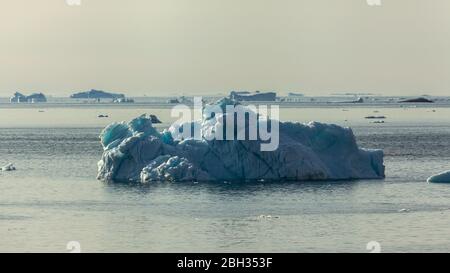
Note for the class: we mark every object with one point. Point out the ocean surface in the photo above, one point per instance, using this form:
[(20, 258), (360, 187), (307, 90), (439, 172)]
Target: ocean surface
[(54, 198)]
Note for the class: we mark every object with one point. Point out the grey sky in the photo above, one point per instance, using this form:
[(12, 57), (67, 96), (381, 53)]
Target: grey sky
[(162, 47)]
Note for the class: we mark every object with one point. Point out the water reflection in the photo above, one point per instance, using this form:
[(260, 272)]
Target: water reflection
[(237, 188)]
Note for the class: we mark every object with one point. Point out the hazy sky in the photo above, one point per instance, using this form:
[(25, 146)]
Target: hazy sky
[(167, 47)]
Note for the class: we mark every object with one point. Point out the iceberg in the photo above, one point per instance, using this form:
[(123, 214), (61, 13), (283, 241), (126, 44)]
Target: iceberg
[(33, 98), (18, 97), (440, 178), (36, 97), (96, 94), (137, 152), (9, 167), (419, 100), (253, 96)]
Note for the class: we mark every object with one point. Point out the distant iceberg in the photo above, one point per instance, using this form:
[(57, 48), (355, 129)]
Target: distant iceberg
[(416, 100), (96, 94), (7, 168), (33, 98), (36, 97), (295, 95), (440, 178), (137, 152), (358, 100), (253, 96), (18, 98)]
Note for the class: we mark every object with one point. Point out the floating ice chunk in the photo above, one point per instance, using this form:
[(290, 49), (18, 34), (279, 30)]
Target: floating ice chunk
[(9, 167), (135, 151), (440, 178), (268, 217)]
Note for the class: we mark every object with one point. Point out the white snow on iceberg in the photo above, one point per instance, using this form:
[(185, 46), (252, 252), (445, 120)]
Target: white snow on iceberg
[(137, 152), (440, 178)]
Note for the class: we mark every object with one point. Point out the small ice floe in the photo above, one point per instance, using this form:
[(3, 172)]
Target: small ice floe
[(268, 217), (9, 167), (440, 178), (358, 100), (375, 117)]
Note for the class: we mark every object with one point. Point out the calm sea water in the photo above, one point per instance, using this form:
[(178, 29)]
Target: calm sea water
[(54, 198)]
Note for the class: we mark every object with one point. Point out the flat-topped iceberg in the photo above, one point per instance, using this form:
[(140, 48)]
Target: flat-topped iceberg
[(440, 178), (96, 94), (137, 152)]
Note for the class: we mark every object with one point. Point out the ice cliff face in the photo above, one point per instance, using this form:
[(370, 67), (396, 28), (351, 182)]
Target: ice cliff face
[(137, 152)]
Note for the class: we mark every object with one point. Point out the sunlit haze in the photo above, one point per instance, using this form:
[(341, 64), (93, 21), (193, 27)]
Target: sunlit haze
[(194, 47)]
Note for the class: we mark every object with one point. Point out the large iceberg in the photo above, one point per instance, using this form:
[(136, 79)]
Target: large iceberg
[(440, 178), (137, 152)]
